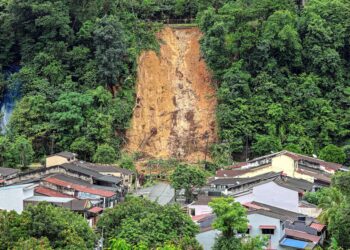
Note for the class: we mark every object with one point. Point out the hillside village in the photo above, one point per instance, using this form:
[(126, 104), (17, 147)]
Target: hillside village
[(174, 124), (271, 188)]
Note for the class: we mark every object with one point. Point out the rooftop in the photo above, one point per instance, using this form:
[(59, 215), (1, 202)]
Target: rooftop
[(21, 186), (49, 199), (8, 171), (65, 154), (274, 212), (72, 167), (240, 181), (103, 168), (50, 192), (81, 188)]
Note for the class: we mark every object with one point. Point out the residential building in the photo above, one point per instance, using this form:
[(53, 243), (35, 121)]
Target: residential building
[(291, 164), (11, 197), (60, 158), (285, 229), (6, 173)]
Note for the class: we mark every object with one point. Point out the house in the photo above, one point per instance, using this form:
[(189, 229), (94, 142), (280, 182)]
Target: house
[(128, 177), (230, 186), (60, 158), (11, 197), (77, 188), (291, 164), (285, 229), (6, 173), (200, 206)]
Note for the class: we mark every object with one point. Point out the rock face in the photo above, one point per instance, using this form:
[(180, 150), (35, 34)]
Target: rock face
[(174, 115)]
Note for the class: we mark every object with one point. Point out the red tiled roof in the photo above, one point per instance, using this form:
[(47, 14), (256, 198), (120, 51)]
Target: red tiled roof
[(49, 192), (231, 173), (201, 216), (253, 206), (104, 193), (318, 226), (267, 227), (95, 210), (302, 235)]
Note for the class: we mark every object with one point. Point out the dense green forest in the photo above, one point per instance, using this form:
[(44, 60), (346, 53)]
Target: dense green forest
[(77, 71), (281, 72)]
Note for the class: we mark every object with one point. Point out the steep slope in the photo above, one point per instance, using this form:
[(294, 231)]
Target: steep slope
[(175, 105)]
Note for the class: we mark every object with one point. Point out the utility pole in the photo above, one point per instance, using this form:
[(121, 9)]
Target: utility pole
[(206, 136)]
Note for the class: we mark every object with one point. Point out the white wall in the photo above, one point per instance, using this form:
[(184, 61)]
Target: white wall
[(256, 220), (274, 195), (11, 198), (200, 209)]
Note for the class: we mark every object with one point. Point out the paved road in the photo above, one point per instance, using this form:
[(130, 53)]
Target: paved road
[(161, 192)]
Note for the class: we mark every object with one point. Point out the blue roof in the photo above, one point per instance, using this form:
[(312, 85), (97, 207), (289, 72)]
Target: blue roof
[(294, 243)]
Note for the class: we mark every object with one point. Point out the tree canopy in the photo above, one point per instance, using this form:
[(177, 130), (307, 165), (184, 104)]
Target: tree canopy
[(282, 74), (138, 221), (44, 227)]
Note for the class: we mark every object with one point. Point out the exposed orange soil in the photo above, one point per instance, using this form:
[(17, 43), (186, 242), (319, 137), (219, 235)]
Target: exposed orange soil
[(175, 104)]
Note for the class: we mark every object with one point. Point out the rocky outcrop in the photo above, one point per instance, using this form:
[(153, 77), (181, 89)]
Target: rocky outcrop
[(174, 115)]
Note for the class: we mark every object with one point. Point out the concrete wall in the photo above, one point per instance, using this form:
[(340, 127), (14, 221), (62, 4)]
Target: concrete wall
[(200, 209), (274, 195), (256, 220), (55, 160), (12, 198)]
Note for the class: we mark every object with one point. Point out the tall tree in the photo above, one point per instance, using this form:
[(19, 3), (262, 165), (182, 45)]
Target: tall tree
[(188, 178)]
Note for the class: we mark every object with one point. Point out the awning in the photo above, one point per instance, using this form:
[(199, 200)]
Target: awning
[(267, 227), (294, 243), (95, 210)]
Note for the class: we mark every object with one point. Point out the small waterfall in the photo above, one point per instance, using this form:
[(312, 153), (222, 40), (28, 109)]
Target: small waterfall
[(11, 95)]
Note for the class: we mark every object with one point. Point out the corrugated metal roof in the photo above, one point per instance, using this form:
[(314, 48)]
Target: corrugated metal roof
[(49, 199), (8, 171), (302, 235), (80, 188), (50, 192), (95, 210)]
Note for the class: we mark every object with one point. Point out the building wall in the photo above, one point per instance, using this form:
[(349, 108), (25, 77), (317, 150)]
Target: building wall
[(12, 199), (264, 170), (55, 160), (256, 220), (274, 195), (200, 209), (280, 163)]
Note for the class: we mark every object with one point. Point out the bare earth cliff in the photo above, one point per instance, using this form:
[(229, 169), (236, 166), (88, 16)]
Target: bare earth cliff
[(175, 105)]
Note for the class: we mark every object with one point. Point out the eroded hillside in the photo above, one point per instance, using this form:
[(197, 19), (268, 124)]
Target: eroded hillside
[(175, 105)]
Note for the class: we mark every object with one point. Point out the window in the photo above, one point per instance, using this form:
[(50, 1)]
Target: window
[(267, 231), (193, 212)]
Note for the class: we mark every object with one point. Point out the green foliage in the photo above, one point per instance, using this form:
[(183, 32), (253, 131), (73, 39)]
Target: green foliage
[(282, 74), (333, 153), (187, 177), (139, 220), (232, 220), (126, 161), (44, 227), (104, 154), (231, 216)]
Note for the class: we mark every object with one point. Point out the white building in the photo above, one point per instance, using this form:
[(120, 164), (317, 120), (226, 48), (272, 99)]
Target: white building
[(11, 197)]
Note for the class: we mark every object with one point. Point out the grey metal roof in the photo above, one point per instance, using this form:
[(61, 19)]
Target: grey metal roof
[(240, 181), (103, 168), (66, 154), (8, 171), (275, 212), (89, 172), (77, 181), (294, 184)]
